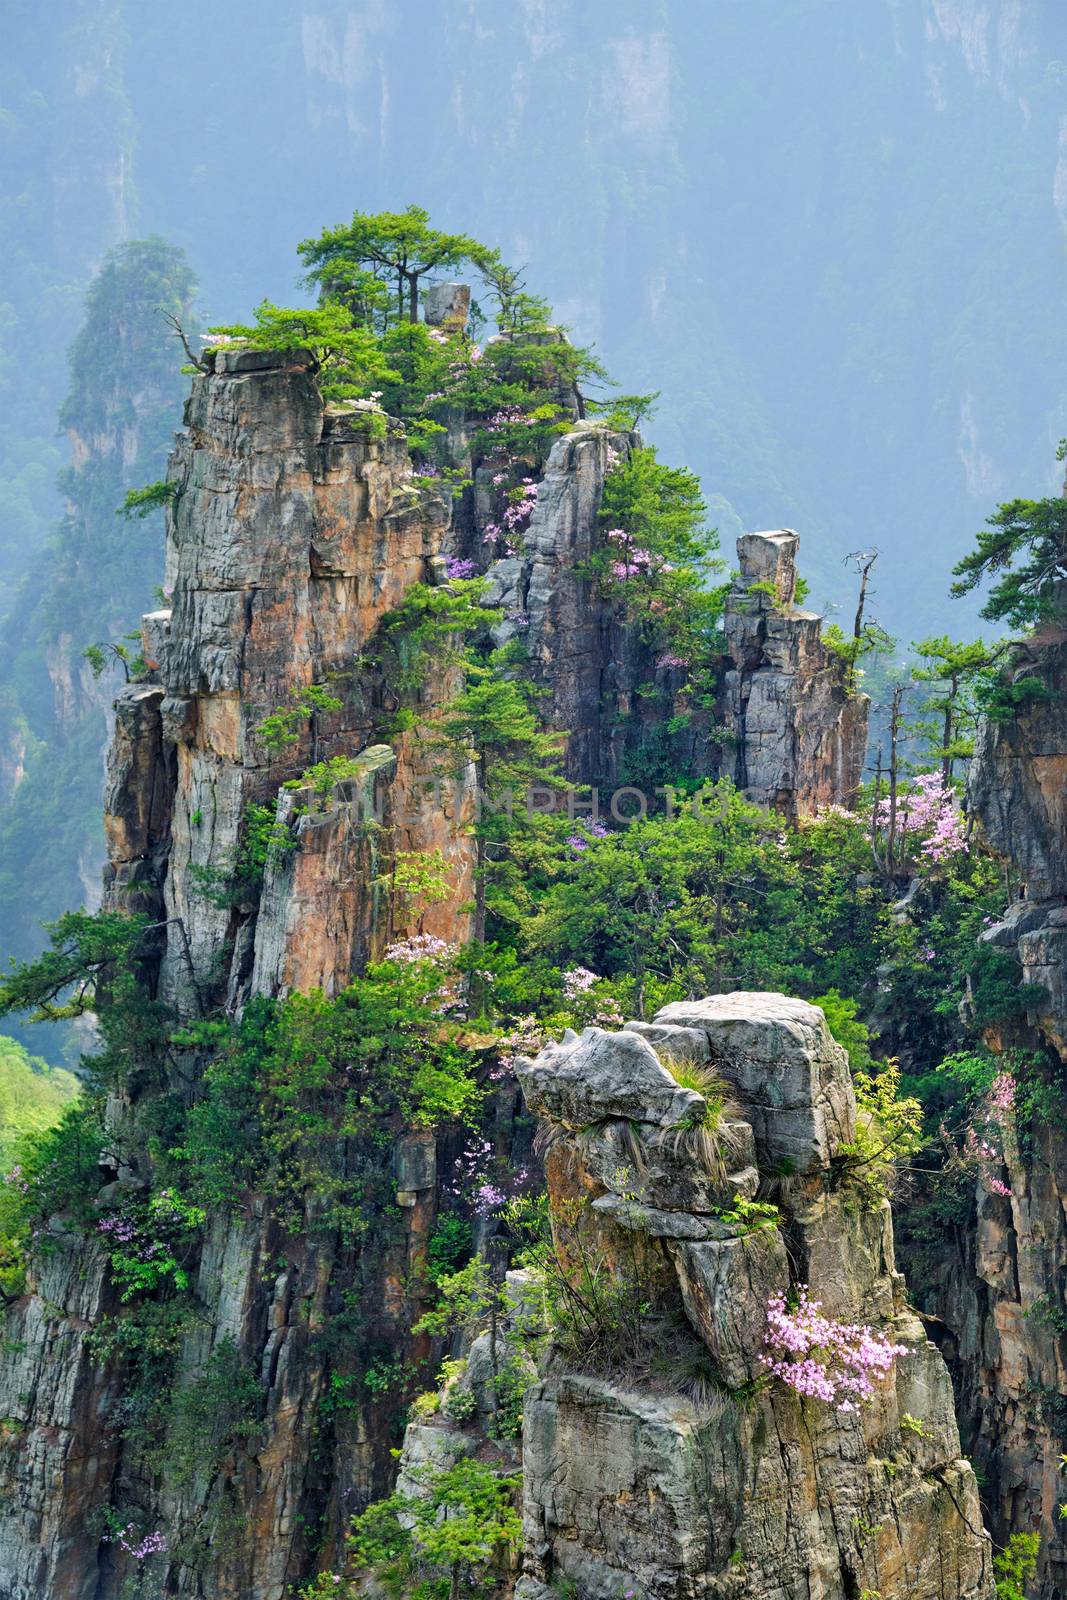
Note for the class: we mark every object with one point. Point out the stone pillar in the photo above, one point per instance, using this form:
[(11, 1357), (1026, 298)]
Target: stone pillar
[(447, 306)]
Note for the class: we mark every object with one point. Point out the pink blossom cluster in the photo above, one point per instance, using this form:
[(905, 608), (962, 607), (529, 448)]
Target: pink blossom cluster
[(578, 981), (525, 1039), (419, 947), (478, 1175), (980, 1151), (17, 1179), (152, 1544), (634, 560), (930, 808), (668, 660), (519, 510), (1000, 1100), (507, 417), (585, 835), (117, 1230), (833, 1361), (459, 567), (487, 1199)]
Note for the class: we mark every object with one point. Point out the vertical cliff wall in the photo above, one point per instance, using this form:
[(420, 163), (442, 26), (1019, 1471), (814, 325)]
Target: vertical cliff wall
[(786, 728), (1005, 1301), (800, 731), (294, 529), (658, 1455)]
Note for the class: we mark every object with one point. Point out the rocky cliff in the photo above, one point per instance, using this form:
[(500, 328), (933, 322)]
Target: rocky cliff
[(1005, 1293), (294, 530), (659, 1456)]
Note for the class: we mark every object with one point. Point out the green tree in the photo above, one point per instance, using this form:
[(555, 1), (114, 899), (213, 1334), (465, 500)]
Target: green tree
[(398, 245), (956, 671), (348, 360), (658, 555), (492, 725), (460, 1521), (1024, 552)]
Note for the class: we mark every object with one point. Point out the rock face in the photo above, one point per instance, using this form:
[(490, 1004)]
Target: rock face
[(795, 738), (1003, 1289), (295, 529), (801, 737), (750, 1492)]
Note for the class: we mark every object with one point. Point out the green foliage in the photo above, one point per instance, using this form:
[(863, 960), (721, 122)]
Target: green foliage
[(213, 1416), (348, 360), (149, 1241), (33, 1096), (430, 625), (715, 897), (889, 1129), (304, 1096), (265, 842), (449, 1246), (748, 1216), (466, 1300), (141, 503), (625, 412), (284, 726), (104, 653), (324, 777), (843, 1020), (348, 261), (872, 641), (96, 962), (1016, 1565), (1023, 551), (657, 555), (55, 1172), (455, 1530), (962, 677)]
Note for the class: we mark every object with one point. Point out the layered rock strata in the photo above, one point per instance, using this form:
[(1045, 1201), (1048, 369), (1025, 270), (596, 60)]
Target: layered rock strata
[(801, 733), (786, 727), (748, 1491), (295, 528), (1001, 1299)]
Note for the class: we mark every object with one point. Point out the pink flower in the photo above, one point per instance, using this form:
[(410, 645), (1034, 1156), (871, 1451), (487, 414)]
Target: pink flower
[(822, 1359), (419, 947), (578, 981)]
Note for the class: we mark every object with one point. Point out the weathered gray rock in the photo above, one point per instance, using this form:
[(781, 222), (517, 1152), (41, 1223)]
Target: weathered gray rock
[(672, 1043), (847, 1249), (639, 1218), (603, 1075), (801, 735), (791, 1077), (999, 1300), (447, 305), (653, 1173), (725, 1285), (770, 1501)]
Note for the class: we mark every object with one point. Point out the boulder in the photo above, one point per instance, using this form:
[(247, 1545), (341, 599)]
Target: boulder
[(790, 1075), (602, 1075)]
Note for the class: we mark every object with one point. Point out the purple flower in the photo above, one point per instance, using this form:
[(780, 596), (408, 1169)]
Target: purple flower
[(458, 567)]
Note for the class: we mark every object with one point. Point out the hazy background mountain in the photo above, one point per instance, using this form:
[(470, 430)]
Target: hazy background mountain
[(831, 234)]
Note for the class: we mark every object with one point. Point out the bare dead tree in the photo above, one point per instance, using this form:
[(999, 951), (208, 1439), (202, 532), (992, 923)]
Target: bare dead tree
[(197, 361)]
